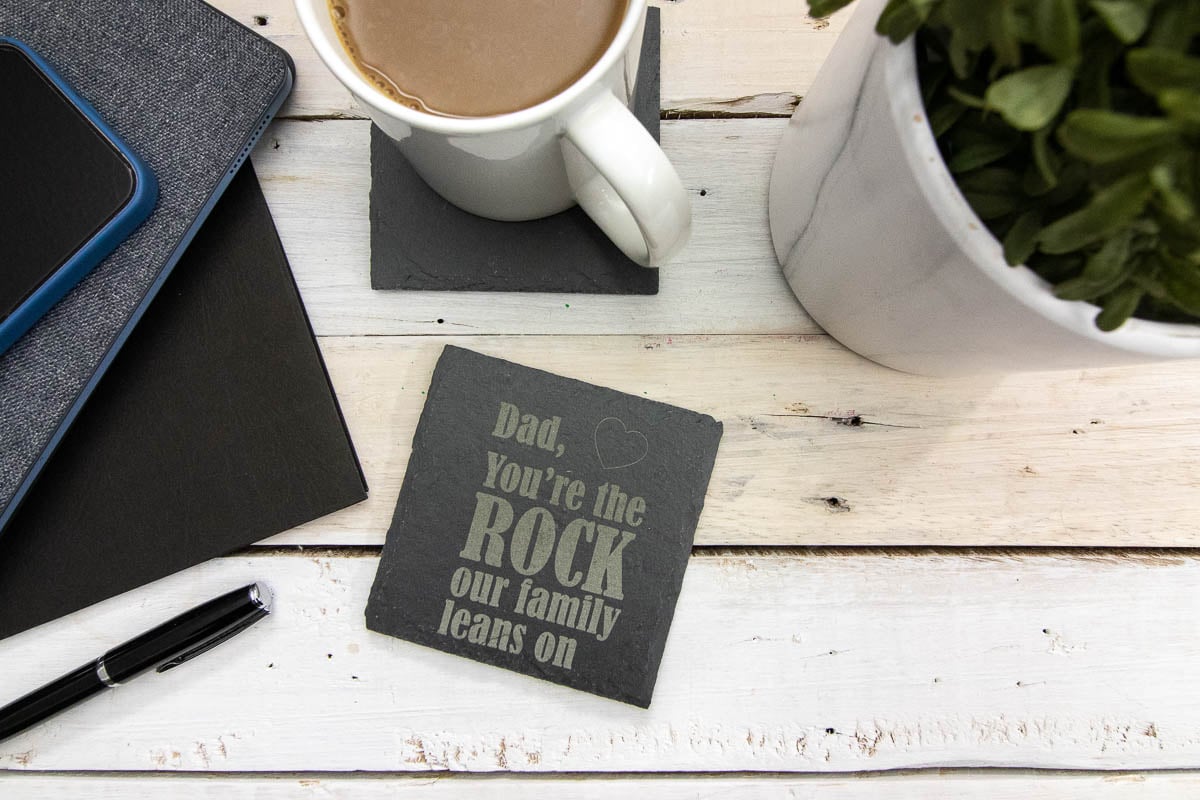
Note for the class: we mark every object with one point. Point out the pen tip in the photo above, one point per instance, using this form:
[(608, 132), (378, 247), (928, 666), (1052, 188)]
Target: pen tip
[(260, 594)]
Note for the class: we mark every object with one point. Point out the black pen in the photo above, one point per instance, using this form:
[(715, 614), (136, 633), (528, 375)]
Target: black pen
[(162, 648)]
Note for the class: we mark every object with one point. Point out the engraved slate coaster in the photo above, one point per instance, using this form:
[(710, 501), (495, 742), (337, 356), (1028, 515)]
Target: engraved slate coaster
[(544, 525), (420, 241)]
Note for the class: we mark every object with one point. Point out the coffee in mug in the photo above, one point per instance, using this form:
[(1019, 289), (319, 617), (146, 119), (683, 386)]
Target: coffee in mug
[(475, 59)]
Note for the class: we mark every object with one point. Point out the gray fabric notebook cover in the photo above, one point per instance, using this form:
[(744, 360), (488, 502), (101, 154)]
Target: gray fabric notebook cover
[(189, 89)]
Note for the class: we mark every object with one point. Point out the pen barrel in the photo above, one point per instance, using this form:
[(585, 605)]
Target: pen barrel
[(192, 631), (50, 699)]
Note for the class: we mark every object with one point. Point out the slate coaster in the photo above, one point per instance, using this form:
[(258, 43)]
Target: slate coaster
[(420, 241), (544, 525)]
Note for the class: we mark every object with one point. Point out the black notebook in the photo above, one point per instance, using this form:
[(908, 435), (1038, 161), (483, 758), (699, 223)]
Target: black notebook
[(215, 427)]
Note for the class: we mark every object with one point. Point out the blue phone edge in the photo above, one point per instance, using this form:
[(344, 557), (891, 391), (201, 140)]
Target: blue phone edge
[(135, 211), (284, 89)]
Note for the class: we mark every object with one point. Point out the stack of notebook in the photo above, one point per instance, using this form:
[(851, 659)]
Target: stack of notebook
[(174, 405)]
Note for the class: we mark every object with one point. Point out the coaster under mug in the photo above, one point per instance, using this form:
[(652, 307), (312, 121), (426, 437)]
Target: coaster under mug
[(421, 241)]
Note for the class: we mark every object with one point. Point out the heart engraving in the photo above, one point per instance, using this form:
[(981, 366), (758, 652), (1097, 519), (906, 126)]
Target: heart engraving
[(618, 447)]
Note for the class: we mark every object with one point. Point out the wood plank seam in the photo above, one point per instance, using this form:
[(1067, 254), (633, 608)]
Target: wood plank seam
[(550, 777), (1146, 556), (786, 102)]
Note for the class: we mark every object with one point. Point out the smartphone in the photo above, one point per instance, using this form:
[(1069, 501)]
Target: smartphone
[(70, 190)]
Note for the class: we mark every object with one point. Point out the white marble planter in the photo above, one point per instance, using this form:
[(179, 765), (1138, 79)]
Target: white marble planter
[(885, 253)]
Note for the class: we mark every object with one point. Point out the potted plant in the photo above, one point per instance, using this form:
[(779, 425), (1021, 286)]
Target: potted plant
[(999, 185)]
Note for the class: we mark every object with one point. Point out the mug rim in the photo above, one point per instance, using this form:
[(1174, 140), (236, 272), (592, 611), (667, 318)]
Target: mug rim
[(525, 117)]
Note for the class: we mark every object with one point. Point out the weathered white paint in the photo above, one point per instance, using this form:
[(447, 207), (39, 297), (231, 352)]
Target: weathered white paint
[(957, 785), (831, 662), (317, 175), (910, 660), (713, 52), (1106, 457)]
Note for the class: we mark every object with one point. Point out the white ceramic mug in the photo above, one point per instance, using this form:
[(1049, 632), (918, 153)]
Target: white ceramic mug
[(581, 146)]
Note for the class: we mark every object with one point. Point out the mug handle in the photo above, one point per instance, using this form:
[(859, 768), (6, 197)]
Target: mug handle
[(624, 182)]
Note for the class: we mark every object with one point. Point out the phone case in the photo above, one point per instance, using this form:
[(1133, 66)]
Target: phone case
[(106, 239), (190, 90)]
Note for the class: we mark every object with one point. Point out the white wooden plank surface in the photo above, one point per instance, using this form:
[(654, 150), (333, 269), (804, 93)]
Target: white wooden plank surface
[(814, 662), (716, 55), (958, 785), (316, 176), (1098, 458), (837, 662), (1009, 446)]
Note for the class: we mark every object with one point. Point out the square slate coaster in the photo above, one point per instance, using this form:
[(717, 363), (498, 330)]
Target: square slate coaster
[(544, 525), (420, 241)]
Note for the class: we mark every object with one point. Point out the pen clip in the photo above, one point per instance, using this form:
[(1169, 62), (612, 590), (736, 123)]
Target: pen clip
[(204, 647)]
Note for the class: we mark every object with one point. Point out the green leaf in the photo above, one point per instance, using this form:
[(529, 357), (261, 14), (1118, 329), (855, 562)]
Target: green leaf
[(1044, 159), (1174, 25), (823, 8), (1054, 28), (1179, 237), (1103, 137), (1173, 202), (1030, 98), (1119, 307), (978, 142), (1181, 105), (1055, 269), (966, 98), (900, 19), (1104, 270), (1127, 19), (1110, 209), (1155, 70), (943, 117), (1072, 185), (1021, 239), (1033, 183), (962, 58), (979, 154), (1001, 22), (1095, 72), (1147, 277), (1182, 282), (992, 192), (968, 33), (966, 23), (1111, 262)]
